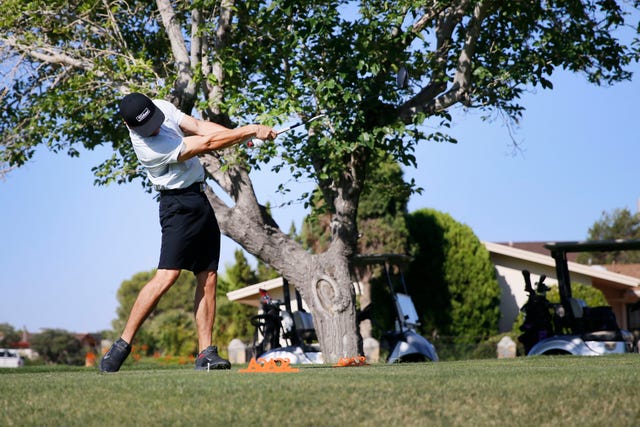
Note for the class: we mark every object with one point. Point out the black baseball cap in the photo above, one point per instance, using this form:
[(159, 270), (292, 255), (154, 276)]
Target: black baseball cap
[(141, 114)]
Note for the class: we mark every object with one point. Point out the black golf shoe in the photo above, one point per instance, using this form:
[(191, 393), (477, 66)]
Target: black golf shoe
[(116, 355), (209, 359)]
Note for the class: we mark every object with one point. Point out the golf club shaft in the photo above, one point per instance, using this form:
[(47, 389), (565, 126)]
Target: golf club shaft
[(255, 142), (304, 122)]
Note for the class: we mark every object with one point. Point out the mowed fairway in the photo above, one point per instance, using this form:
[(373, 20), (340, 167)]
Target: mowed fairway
[(559, 390)]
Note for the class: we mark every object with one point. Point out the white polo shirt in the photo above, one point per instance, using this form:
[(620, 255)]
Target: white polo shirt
[(159, 154)]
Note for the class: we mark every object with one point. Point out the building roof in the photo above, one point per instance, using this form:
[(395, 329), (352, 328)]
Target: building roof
[(632, 270), (537, 247)]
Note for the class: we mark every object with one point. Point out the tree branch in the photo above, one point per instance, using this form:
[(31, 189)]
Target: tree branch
[(462, 77), (185, 89), (197, 23), (234, 179), (56, 56), (216, 91), (431, 100), (47, 55), (432, 12)]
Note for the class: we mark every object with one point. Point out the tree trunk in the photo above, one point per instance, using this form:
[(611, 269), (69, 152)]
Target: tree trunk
[(331, 298), (324, 280)]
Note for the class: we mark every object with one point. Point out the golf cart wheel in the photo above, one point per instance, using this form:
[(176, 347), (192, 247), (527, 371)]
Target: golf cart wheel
[(413, 358)]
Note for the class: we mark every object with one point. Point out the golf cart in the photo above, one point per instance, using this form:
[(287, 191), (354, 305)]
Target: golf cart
[(570, 327), (277, 322), (405, 344)]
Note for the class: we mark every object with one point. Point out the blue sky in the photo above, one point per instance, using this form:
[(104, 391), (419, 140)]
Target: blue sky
[(68, 245)]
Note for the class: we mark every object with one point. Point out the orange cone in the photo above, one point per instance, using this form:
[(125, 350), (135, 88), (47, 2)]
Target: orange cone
[(351, 361), (273, 365)]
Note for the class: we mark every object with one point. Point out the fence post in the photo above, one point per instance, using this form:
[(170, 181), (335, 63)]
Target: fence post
[(371, 348), (506, 348), (237, 351)]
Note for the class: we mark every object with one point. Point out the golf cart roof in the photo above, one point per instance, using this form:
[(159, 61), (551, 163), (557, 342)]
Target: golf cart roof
[(594, 246), (390, 258), (559, 252)]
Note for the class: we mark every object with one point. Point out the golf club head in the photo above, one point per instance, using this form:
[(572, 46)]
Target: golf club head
[(402, 78)]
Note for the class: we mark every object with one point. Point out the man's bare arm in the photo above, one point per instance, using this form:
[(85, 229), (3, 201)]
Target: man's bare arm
[(192, 126), (208, 136)]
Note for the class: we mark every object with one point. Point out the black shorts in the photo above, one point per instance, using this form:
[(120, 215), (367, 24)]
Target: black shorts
[(190, 232)]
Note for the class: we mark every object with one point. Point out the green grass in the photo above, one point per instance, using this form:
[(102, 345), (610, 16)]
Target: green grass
[(536, 391)]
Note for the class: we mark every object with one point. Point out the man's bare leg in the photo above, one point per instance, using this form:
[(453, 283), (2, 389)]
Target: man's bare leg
[(147, 299), (205, 306), (205, 313)]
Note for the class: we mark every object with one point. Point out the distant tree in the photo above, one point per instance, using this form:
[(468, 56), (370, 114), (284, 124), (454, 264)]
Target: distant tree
[(619, 224), (383, 208), (8, 335), (174, 331), (452, 279), (58, 346)]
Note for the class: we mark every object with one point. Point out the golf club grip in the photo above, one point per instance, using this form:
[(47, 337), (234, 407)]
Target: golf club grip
[(257, 142)]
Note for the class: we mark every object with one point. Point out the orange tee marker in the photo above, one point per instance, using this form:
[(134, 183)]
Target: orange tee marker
[(273, 365), (351, 361)]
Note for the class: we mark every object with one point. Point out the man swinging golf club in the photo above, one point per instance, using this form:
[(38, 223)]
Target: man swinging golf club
[(190, 233)]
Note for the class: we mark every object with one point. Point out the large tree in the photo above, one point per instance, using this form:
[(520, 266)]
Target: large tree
[(65, 64)]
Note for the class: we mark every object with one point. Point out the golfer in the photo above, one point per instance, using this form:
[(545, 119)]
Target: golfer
[(190, 233)]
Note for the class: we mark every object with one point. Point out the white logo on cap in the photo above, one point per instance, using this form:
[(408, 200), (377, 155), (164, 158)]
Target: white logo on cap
[(140, 117)]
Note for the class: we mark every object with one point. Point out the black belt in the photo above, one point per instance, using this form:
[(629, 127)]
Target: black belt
[(196, 187)]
